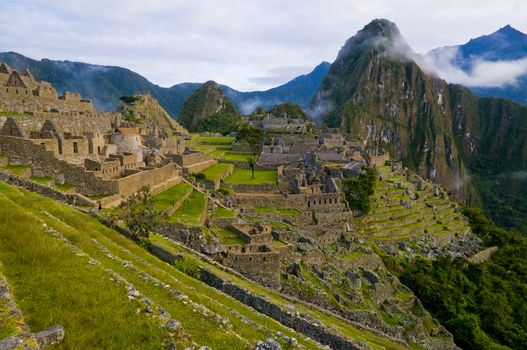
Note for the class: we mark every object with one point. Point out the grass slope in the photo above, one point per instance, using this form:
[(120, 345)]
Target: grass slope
[(54, 285)]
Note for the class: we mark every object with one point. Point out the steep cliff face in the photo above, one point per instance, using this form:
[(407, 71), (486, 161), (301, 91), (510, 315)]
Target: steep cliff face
[(208, 109), (377, 91), (146, 111)]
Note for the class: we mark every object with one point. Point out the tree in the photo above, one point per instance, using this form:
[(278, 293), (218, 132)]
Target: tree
[(252, 164), (139, 214), (358, 191), (253, 136)]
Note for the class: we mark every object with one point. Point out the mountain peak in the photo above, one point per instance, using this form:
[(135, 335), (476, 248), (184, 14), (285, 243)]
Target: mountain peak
[(381, 35), (381, 27), (509, 30)]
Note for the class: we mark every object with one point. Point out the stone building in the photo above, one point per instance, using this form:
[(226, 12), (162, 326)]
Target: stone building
[(64, 138), (21, 92)]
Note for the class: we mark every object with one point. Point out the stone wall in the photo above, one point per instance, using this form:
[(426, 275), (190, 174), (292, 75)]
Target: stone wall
[(279, 158), (190, 158), (325, 235), (247, 188), (70, 198), (133, 183), (24, 152), (262, 267), (196, 168), (65, 122)]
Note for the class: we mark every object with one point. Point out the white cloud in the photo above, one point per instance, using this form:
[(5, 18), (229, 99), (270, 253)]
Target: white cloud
[(232, 41), (482, 73)]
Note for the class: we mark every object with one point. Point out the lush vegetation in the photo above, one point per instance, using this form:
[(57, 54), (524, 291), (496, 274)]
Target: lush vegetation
[(244, 176), (129, 99), (201, 111), (139, 214), (254, 137), (358, 190), (289, 110), (484, 305)]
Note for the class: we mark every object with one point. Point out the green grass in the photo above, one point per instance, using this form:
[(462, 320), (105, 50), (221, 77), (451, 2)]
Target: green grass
[(235, 156), (243, 176), (16, 114), (65, 187), (221, 212), (228, 237), (278, 244), (92, 326), (222, 140), (217, 171), (166, 199), (280, 211), (56, 286), (42, 180), (15, 169), (190, 212)]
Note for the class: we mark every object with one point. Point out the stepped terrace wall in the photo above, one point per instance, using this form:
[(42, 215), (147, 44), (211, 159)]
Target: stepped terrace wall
[(70, 198), (148, 177), (65, 121)]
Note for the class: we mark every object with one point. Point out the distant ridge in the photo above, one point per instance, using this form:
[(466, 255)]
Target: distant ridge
[(505, 44), (105, 84)]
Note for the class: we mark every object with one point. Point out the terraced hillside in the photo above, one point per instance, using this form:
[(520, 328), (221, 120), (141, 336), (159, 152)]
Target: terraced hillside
[(108, 292), (405, 206)]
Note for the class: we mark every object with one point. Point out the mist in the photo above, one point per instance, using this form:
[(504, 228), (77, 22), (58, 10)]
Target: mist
[(482, 73)]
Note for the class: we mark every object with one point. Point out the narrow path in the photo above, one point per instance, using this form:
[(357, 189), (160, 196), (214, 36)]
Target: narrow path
[(196, 188)]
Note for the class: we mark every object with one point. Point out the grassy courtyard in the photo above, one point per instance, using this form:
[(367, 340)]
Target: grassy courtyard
[(242, 176)]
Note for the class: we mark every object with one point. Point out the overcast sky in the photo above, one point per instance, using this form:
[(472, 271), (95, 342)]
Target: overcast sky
[(248, 45)]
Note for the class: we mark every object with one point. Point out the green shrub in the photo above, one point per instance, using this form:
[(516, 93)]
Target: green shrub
[(358, 190), (187, 266)]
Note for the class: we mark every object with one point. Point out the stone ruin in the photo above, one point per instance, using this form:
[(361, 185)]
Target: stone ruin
[(66, 139)]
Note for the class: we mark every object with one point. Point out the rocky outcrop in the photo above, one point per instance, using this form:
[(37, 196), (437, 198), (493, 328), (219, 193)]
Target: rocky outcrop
[(146, 111), (34, 341)]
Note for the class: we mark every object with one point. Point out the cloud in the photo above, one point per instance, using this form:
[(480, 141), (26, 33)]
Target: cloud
[(247, 107), (278, 75), (237, 43), (482, 73)]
